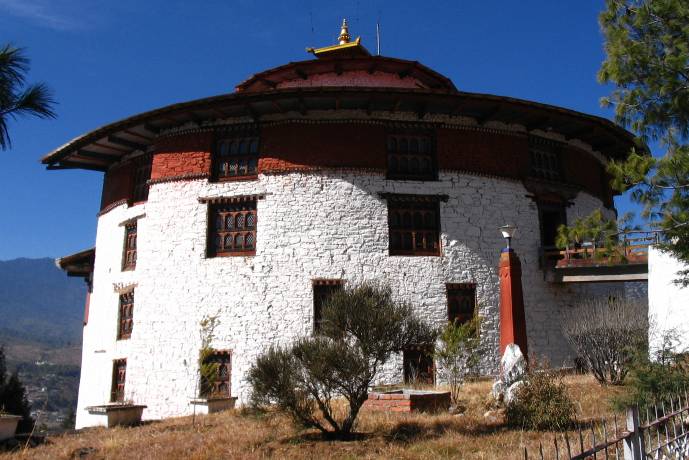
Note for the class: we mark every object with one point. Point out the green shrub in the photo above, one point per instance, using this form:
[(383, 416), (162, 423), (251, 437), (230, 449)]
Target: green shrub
[(652, 380), (457, 354), (361, 328), (208, 370), (541, 402)]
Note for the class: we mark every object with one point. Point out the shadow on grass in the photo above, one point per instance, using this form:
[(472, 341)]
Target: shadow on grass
[(411, 431), (326, 437)]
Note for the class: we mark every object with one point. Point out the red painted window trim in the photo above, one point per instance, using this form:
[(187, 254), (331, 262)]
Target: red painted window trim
[(322, 288), (414, 226), (125, 317), (119, 378), (130, 251)]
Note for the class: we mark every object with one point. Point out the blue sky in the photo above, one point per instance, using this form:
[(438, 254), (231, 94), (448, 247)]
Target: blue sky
[(108, 60)]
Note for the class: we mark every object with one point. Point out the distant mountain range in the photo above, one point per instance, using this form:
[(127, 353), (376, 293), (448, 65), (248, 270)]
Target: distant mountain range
[(40, 304)]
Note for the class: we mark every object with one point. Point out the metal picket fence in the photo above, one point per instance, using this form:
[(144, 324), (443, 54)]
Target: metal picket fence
[(659, 431)]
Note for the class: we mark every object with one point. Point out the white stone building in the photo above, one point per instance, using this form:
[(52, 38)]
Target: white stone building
[(251, 206), (668, 302)]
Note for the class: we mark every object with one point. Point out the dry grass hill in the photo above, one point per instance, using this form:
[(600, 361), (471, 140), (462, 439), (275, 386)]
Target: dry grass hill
[(236, 435)]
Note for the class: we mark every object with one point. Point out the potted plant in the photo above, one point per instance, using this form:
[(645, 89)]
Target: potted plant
[(8, 425), (213, 379)]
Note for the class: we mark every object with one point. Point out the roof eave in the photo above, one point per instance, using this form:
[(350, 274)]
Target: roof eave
[(106, 145)]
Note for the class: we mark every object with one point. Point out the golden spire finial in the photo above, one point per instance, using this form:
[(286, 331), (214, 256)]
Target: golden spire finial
[(344, 33)]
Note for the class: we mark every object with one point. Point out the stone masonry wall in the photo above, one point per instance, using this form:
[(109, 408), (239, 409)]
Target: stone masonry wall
[(310, 225)]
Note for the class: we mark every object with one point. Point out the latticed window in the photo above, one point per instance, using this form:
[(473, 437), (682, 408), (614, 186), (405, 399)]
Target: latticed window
[(126, 316), (219, 385), (414, 225), (119, 376), (322, 290), (236, 157), (142, 174), (233, 229), (545, 159), (411, 157), (461, 302), (129, 255)]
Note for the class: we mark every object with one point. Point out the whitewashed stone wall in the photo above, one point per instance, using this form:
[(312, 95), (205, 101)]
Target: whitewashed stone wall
[(668, 303), (317, 225)]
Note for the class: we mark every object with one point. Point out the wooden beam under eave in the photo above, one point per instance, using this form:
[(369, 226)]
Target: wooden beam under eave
[(110, 147), (537, 123), (140, 136), (396, 105), (154, 130), (74, 165), (481, 119), (579, 131), (98, 156), (126, 143), (603, 145)]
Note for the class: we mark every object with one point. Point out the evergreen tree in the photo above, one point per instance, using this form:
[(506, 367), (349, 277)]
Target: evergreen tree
[(647, 48), (15, 402), (13, 396)]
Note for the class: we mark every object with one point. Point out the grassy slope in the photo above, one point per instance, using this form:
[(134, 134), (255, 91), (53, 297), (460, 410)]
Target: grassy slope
[(231, 435)]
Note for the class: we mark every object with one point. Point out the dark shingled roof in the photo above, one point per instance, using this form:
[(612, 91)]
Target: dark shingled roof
[(255, 98)]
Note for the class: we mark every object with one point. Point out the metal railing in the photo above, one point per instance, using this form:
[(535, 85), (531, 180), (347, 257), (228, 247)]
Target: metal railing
[(628, 250), (659, 431)]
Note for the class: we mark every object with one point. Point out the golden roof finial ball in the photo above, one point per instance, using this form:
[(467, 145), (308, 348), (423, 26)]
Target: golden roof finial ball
[(344, 33)]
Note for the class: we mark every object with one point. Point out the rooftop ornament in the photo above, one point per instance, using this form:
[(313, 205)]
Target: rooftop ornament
[(344, 48)]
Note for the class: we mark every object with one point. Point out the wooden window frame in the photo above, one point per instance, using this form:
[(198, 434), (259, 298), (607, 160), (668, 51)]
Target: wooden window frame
[(426, 351), (320, 283), (125, 316), (218, 381), (550, 206), (239, 136), (394, 151), (451, 288), (414, 204), (233, 209), (129, 252), (141, 177), (545, 160), (119, 380)]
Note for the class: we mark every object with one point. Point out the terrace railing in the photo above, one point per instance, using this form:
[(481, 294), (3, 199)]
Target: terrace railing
[(659, 431), (631, 249)]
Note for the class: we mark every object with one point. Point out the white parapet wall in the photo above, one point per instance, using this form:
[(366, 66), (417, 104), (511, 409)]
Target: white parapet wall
[(668, 302)]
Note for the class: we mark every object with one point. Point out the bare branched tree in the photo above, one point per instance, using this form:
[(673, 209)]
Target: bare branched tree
[(606, 334)]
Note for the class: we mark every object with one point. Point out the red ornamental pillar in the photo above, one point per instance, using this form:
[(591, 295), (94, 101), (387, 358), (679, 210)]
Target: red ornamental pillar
[(512, 316)]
